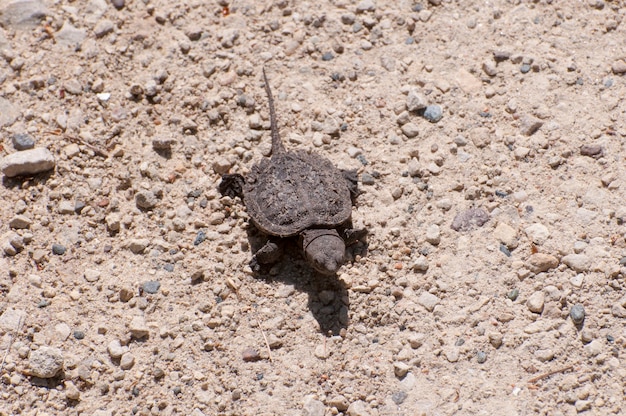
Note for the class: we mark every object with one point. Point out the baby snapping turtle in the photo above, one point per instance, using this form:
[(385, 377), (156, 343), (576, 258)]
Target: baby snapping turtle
[(300, 194)]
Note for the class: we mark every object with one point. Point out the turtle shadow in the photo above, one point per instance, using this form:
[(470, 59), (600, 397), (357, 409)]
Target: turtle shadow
[(328, 298)]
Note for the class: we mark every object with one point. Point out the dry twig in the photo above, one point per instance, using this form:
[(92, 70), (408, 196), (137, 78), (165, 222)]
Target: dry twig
[(550, 373), (267, 344)]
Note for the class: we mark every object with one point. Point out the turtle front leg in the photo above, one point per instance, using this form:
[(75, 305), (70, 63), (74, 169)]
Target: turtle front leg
[(269, 254), (352, 235), (352, 180), (232, 185)]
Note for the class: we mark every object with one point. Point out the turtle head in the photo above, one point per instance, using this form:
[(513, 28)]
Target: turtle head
[(324, 249)]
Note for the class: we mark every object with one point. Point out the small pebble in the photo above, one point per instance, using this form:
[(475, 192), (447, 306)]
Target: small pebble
[(400, 369), (428, 301), (367, 179), (328, 56), (529, 125), (577, 262), (163, 143), (127, 361), (513, 294), (118, 4), (525, 68), (151, 287), (410, 130), (399, 397), (71, 391), (433, 113), (115, 349), (78, 334), (138, 245), (58, 249), (22, 141), (250, 355), (146, 200), (415, 101), (20, 222), (466, 220), (138, 328), (536, 301), (201, 236), (366, 6), (92, 275), (591, 150), (103, 28), (481, 357), (577, 313)]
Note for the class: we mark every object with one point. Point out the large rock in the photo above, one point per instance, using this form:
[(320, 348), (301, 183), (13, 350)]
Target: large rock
[(27, 162), (46, 362), (22, 14)]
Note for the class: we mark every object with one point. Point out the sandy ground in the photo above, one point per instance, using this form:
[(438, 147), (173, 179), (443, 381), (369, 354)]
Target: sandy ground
[(492, 279)]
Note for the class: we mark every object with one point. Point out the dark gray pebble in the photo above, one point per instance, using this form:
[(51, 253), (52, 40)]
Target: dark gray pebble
[(481, 357), (58, 249), (43, 303), (151, 286), (504, 249), (367, 179), (399, 397), (362, 159), (328, 56), (500, 56), (200, 237), (22, 141), (118, 4), (79, 334), (513, 294), (337, 76), (177, 390), (459, 342), (169, 267), (524, 68), (501, 194), (433, 113), (473, 217), (577, 313)]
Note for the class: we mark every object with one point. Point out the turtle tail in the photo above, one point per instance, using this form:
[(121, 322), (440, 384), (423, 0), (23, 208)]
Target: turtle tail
[(277, 143)]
